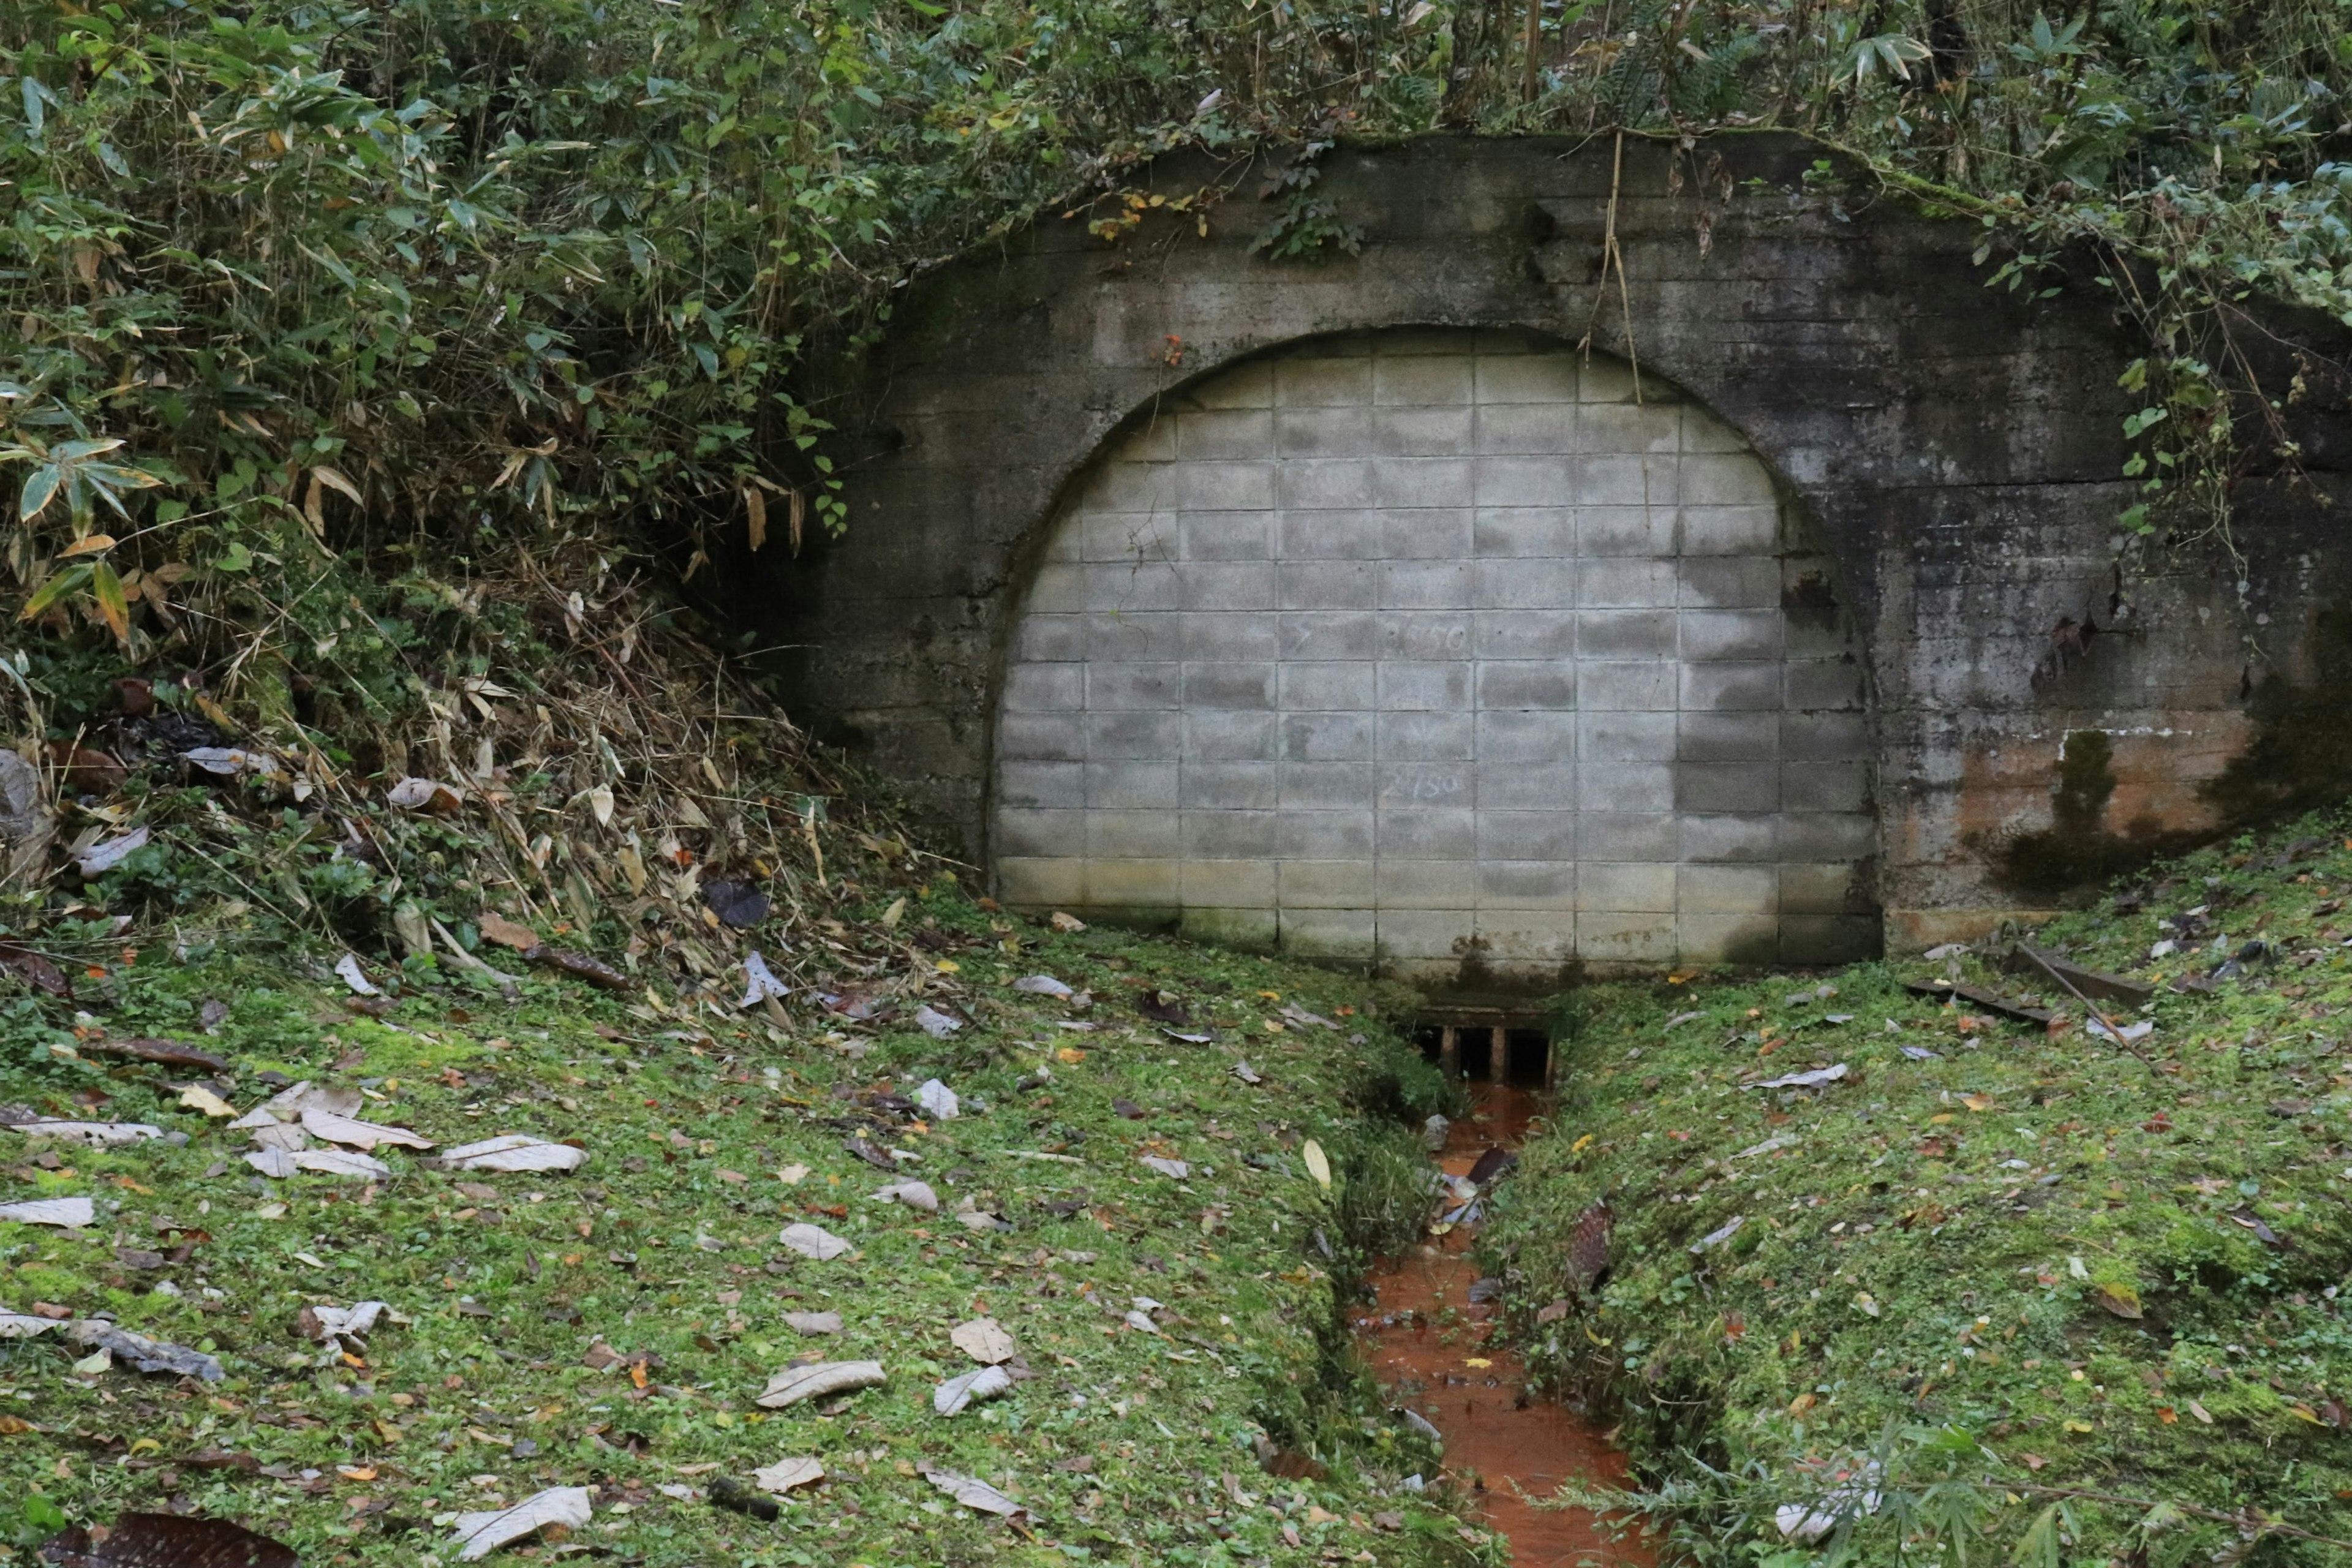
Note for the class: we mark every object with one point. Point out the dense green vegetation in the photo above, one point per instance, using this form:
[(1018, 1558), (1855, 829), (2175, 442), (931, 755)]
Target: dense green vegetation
[(298, 299), (613, 1328), (2017, 1281)]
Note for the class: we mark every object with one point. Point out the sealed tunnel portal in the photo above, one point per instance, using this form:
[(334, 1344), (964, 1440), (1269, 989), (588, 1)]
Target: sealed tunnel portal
[(1439, 650)]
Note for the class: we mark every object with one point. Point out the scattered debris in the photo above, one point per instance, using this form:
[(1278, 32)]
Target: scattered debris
[(936, 1024), (2026, 958), (100, 859), (512, 1154), (146, 1354), (479, 1534), (731, 1494), (2128, 1034), (71, 1213), (739, 905), (813, 1324), (1818, 1079), (1433, 1133), (1042, 985), (1176, 1168), (1855, 1493), (1718, 1236), (1067, 924), (938, 1101), (354, 1322), (763, 985), (1247, 1073), (347, 968)]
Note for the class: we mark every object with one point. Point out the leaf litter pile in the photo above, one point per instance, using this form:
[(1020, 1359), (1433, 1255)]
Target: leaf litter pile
[(2057, 1225), (940, 1247)]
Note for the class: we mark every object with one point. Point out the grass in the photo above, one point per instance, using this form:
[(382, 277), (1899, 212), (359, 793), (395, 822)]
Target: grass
[(1126, 1447), (2029, 1266)]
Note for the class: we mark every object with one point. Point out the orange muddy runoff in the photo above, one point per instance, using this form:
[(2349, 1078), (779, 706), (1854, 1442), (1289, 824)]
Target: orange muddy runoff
[(1499, 1451)]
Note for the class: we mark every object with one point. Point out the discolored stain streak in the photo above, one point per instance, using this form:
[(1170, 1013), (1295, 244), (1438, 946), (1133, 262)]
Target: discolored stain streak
[(2297, 757)]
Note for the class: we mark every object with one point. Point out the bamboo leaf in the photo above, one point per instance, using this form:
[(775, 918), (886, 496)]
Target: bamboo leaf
[(112, 603), (56, 588), (40, 489)]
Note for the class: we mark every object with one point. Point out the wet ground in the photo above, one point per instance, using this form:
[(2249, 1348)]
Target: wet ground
[(1428, 1342)]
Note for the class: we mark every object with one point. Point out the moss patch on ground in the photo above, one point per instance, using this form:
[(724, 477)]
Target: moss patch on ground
[(2007, 1280), (613, 1327)]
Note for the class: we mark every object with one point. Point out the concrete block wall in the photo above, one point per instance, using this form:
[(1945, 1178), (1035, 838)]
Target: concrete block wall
[(1435, 648), (1954, 453)]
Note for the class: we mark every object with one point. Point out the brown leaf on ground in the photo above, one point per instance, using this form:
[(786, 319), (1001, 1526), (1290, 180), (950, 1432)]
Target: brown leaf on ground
[(33, 970), (171, 1053), (168, 1541), (580, 966), (509, 934)]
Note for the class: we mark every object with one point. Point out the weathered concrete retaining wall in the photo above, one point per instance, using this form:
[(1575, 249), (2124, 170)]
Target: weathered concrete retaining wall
[(1951, 452)]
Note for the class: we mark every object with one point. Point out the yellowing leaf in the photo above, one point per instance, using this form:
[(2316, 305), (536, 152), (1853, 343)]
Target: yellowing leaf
[(1976, 1101), (113, 602), (1581, 1144), (949, 966), (2078, 1427), (95, 544), (1317, 1165), (197, 1096), (1069, 1056), (1478, 1362), (755, 507)]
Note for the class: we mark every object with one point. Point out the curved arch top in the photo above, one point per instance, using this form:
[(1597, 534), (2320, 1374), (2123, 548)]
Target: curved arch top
[(1952, 454), (1439, 650)]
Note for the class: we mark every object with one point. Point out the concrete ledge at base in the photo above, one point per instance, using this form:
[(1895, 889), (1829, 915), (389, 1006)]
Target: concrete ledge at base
[(1917, 930)]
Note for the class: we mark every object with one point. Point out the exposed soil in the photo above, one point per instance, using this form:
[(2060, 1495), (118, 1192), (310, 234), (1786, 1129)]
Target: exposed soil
[(1426, 1340)]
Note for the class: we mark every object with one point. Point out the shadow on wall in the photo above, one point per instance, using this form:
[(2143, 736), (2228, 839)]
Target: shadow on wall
[(2300, 758)]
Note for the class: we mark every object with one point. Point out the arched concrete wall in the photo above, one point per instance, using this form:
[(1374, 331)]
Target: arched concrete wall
[(1443, 650), (1956, 450)]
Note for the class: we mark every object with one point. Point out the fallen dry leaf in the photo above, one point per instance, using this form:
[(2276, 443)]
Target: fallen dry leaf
[(334, 1129), (796, 1384), (513, 1154), (97, 1134), (168, 1541), (197, 1096), (958, 1394), (479, 1534), (813, 1242), (985, 1341), (785, 1474), (71, 1213)]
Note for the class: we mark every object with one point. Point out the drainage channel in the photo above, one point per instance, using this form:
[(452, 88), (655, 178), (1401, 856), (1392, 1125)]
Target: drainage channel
[(1427, 1336)]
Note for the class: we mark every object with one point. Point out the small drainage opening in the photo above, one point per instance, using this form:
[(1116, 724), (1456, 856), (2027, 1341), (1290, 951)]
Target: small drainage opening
[(1487, 1048)]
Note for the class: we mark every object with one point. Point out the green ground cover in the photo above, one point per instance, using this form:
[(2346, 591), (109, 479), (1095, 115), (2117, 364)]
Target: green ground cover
[(612, 1328), (2017, 1283)]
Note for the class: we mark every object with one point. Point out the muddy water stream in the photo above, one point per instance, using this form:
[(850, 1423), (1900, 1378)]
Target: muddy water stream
[(1428, 1341)]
